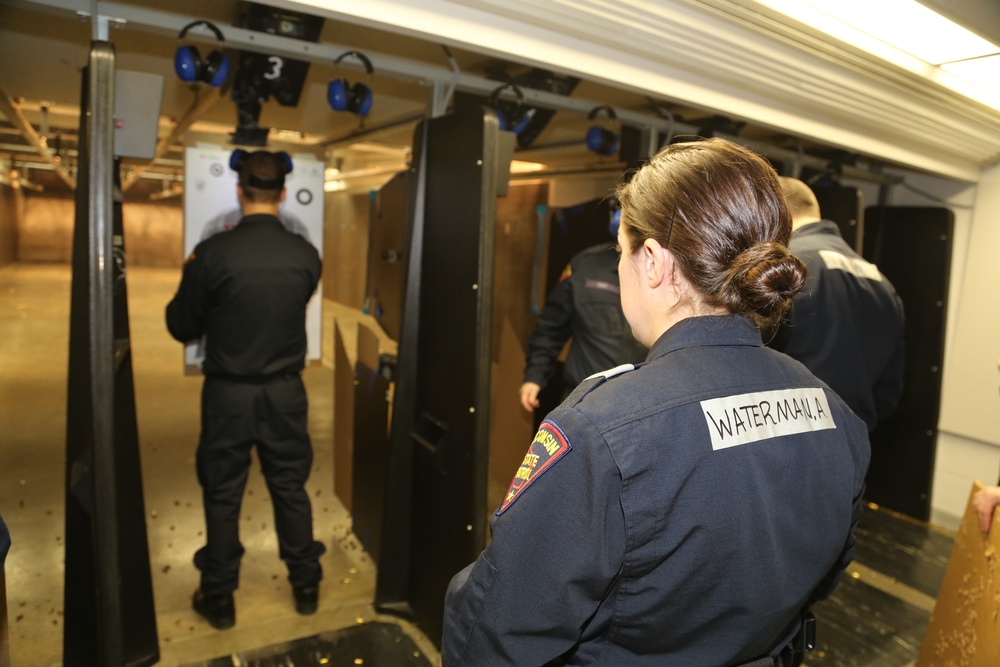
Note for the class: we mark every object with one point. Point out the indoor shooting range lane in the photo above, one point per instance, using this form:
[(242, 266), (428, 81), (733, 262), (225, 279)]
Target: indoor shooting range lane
[(876, 618)]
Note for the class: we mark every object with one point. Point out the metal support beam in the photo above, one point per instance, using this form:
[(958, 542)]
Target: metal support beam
[(650, 142), (354, 135), (803, 160), (438, 97), (13, 112), (153, 20)]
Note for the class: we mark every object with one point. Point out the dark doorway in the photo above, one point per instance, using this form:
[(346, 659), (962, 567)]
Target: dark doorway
[(912, 247)]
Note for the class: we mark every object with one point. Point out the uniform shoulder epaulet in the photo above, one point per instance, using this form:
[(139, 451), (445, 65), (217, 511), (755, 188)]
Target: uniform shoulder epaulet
[(611, 372), (596, 380)]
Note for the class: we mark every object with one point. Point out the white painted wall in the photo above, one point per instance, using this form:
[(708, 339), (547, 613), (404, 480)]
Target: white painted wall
[(969, 440)]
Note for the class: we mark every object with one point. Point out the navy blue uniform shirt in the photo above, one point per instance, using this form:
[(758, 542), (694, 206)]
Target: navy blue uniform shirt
[(246, 290), (681, 513), (846, 326)]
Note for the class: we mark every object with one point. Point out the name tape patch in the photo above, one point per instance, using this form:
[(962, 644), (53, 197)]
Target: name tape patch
[(550, 445), (591, 283), (746, 418), (852, 265)]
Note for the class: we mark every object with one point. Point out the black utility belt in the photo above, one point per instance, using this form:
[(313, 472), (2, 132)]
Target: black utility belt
[(792, 653), (253, 379)]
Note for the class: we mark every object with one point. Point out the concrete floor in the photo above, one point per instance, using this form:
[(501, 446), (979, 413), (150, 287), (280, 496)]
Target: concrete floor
[(34, 333)]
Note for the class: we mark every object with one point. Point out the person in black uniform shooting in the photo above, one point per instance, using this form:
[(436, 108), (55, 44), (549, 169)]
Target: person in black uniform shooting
[(686, 510), (846, 326), (585, 306), (246, 291)]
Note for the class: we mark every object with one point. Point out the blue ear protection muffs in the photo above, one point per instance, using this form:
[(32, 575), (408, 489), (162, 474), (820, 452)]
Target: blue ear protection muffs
[(614, 221), (239, 157), (342, 96), (190, 67), (599, 139), (515, 121)]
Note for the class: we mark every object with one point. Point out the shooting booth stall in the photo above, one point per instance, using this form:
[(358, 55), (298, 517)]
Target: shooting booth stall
[(109, 617), (460, 260), (435, 513), (448, 283)]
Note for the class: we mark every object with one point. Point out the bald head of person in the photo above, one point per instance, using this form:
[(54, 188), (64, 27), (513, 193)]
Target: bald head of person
[(801, 201)]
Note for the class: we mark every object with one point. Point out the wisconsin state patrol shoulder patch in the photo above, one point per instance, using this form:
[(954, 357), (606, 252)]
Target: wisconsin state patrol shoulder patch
[(550, 445), (566, 273)]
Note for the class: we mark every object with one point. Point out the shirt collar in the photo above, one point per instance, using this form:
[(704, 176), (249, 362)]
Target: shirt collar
[(705, 331), (817, 227)]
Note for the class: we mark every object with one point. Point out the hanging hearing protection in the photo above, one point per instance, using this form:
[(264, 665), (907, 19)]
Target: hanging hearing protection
[(614, 218), (190, 67), (238, 159), (599, 139), (517, 119), (342, 96)]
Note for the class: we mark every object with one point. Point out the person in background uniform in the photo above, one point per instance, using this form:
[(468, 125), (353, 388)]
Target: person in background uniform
[(986, 500), (686, 510), (585, 306), (246, 291), (846, 326)]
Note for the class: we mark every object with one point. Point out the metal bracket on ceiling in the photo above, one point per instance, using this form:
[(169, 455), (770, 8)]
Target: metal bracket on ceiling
[(13, 112), (441, 94)]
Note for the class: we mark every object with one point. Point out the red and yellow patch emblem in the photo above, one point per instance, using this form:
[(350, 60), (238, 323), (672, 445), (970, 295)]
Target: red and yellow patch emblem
[(550, 445), (566, 273)]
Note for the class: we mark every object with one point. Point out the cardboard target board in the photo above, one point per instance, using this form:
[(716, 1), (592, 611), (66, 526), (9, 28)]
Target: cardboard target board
[(964, 630), (211, 207)]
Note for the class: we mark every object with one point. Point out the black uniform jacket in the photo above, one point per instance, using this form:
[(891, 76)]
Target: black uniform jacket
[(246, 291), (846, 326), (586, 305)]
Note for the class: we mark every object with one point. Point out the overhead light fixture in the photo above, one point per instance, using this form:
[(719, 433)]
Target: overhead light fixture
[(288, 135), (910, 35), (910, 27), (521, 166)]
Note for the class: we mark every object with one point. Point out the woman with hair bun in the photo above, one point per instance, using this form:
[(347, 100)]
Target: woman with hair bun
[(689, 509)]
